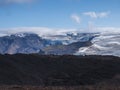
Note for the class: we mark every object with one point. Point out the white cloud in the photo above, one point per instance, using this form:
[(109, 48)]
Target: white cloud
[(19, 1), (108, 29), (38, 30), (103, 14), (97, 15), (92, 28), (91, 14), (15, 1), (76, 18), (44, 31)]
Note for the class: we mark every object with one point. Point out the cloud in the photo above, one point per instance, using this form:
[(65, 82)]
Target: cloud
[(4, 2), (44, 31), (97, 15), (108, 29), (38, 30), (76, 18)]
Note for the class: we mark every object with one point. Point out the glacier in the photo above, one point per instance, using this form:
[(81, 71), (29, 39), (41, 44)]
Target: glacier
[(61, 42), (104, 44)]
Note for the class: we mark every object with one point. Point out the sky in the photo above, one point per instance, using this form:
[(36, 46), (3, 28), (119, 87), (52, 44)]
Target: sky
[(59, 13)]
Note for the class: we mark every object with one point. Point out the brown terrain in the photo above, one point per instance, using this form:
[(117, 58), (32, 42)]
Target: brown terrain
[(67, 72)]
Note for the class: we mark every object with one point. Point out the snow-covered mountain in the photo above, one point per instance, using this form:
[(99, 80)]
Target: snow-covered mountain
[(104, 44), (70, 42), (67, 43)]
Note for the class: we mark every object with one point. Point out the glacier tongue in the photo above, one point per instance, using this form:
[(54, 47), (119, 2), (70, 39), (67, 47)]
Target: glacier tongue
[(105, 44)]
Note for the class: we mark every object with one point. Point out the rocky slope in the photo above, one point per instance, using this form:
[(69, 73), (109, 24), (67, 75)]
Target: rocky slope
[(64, 70)]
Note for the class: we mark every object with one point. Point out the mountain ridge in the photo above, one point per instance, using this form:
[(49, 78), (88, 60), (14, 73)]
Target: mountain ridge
[(32, 43), (62, 43)]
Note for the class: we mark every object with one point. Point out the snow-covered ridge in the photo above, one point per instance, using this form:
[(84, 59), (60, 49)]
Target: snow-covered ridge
[(65, 36), (105, 44), (51, 44)]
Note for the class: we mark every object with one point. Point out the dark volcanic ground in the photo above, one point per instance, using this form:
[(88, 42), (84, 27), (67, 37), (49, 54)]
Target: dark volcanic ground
[(21, 69)]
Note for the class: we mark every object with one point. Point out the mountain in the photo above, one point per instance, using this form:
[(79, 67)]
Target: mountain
[(104, 44), (73, 43), (28, 43), (23, 43), (66, 49)]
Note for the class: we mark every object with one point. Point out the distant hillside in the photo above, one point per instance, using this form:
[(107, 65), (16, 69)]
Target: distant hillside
[(28, 43), (67, 70), (61, 43)]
